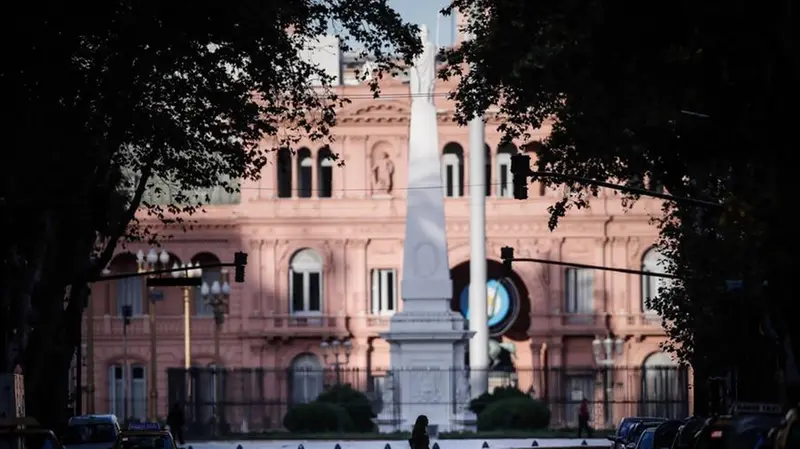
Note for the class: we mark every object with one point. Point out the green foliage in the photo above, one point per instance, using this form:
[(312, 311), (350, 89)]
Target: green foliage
[(317, 417), (514, 413), (480, 403), (685, 98), (122, 98), (356, 403)]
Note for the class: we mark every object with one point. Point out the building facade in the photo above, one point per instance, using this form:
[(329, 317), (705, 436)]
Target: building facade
[(325, 246)]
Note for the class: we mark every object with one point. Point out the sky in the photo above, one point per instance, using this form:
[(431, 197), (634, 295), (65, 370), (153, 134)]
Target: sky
[(424, 12)]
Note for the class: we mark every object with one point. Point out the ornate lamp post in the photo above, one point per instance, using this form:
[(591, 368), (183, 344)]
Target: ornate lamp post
[(606, 353), (154, 261), (217, 295), (127, 312), (340, 350), (189, 271)]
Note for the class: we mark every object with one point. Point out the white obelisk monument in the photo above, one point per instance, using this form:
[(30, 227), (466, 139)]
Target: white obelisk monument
[(427, 339)]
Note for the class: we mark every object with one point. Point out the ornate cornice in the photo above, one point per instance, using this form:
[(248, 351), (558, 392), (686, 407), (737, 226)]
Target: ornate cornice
[(376, 112)]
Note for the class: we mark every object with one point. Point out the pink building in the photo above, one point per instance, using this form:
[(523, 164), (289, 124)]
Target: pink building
[(325, 258)]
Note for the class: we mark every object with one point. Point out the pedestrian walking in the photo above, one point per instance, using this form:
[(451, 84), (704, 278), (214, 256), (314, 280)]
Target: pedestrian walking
[(583, 419), (419, 434), (175, 421)]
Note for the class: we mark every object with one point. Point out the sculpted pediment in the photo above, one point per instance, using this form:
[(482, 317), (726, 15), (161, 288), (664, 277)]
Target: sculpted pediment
[(375, 111)]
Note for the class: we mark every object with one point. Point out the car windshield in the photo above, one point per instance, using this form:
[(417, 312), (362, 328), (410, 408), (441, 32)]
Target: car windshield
[(90, 433), (646, 440), (624, 428), (144, 442), (634, 434)]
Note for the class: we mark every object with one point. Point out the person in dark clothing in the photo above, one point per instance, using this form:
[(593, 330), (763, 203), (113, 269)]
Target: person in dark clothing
[(175, 422), (583, 419), (419, 434)]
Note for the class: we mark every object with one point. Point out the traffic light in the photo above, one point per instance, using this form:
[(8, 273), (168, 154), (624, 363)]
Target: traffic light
[(239, 261), (520, 170), (507, 256)]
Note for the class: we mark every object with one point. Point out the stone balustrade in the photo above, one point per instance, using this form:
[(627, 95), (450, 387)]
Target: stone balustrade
[(329, 325)]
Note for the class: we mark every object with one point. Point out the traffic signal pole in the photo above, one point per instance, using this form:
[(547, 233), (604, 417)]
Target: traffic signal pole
[(521, 173), (239, 263)]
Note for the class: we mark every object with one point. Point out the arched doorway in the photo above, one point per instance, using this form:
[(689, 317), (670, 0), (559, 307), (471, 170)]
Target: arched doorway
[(306, 381), (508, 310), (664, 387)]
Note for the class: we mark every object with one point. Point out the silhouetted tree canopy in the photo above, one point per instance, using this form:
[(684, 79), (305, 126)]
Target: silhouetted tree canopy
[(697, 98), (109, 99)]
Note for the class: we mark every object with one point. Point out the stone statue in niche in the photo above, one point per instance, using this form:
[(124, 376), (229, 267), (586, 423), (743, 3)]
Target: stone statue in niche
[(382, 174)]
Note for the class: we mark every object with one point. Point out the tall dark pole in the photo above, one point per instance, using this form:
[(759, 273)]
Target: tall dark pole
[(79, 376)]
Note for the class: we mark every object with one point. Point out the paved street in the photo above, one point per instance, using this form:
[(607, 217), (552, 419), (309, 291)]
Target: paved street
[(396, 444)]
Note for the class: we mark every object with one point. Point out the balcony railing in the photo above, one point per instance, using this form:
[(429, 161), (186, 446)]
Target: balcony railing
[(333, 325)]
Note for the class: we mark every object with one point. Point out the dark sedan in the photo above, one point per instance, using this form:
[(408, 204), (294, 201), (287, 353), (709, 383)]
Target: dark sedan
[(630, 425)]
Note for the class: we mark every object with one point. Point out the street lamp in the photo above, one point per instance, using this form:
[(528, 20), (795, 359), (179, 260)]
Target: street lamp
[(606, 353), (217, 295), (189, 271), (127, 313), (340, 349), (153, 261)]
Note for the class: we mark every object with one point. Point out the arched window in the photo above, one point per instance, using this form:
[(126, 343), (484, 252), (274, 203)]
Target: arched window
[(284, 173), (453, 170), (664, 387), (201, 306), (653, 262), (137, 402), (325, 173), (307, 378), (129, 291), (305, 167), (305, 282), (505, 186)]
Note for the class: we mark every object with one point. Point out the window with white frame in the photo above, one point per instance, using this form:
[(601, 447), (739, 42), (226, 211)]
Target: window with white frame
[(130, 292), (137, 403), (653, 262), (384, 291), (505, 186), (578, 388), (452, 173), (325, 173), (305, 283), (307, 378), (305, 167), (579, 291)]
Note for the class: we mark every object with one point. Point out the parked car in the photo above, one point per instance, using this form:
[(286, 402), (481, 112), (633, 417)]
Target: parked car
[(645, 439), (630, 440), (734, 431), (684, 438), (91, 432), (665, 434), (619, 439)]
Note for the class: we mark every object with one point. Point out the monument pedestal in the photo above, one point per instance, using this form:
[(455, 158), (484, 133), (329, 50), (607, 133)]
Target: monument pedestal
[(428, 375)]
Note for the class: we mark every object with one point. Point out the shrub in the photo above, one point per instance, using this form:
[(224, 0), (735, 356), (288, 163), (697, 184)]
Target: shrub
[(356, 403), (317, 417), (519, 413), (480, 403)]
